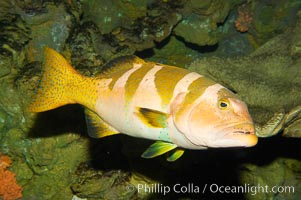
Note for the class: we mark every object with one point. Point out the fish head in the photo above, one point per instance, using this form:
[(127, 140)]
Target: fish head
[(219, 119)]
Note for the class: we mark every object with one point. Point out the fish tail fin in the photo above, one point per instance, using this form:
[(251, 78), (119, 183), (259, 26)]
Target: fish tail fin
[(56, 84)]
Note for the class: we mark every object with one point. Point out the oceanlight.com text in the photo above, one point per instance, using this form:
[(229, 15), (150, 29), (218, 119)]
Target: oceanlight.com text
[(251, 189), (191, 188)]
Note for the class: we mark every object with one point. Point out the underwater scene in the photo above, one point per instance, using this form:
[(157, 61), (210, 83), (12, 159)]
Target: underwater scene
[(150, 99)]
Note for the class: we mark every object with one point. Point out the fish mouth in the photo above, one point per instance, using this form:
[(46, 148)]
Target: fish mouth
[(244, 129), (244, 132)]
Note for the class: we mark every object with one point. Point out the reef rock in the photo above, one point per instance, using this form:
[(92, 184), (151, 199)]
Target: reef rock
[(174, 53), (279, 179), (272, 18), (135, 25), (201, 25), (50, 25), (87, 182)]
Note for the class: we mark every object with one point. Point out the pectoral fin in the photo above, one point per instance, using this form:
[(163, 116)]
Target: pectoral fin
[(158, 148), (153, 118), (97, 127), (176, 155)]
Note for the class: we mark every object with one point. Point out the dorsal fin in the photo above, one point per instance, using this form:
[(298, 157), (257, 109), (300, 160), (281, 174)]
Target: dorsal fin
[(97, 127), (119, 64)]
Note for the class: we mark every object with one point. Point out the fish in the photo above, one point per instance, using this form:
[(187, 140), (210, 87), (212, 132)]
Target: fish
[(175, 107)]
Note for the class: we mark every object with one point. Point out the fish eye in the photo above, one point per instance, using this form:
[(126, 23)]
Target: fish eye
[(223, 104)]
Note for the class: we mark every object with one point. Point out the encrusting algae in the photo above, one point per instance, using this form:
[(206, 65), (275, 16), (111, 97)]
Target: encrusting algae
[(9, 188)]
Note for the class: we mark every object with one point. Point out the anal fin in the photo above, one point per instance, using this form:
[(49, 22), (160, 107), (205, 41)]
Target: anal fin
[(97, 127), (158, 148), (175, 155)]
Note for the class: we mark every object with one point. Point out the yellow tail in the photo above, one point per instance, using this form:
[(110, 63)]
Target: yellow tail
[(60, 84)]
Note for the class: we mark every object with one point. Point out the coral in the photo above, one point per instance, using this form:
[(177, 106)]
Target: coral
[(9, 189), (244, 18)]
